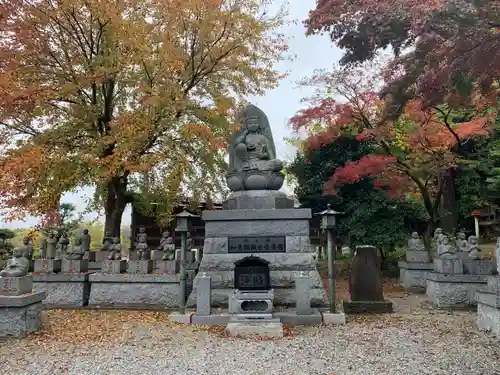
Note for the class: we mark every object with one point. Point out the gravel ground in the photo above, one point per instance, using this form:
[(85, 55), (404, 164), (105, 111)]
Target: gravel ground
[(414, 340)]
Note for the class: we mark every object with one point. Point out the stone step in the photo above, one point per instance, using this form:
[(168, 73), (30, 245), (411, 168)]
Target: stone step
[(255, 328)]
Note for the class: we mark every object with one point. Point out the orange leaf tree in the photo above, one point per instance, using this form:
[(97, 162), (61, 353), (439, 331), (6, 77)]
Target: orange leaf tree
[(410, 151), (102, 93)]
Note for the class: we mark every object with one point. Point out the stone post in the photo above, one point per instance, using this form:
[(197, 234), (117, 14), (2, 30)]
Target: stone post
[(303, 286), (204, 295)]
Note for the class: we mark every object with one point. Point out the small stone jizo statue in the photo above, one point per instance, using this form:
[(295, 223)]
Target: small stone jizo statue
[(445, 249), (63, 245), (18, 265), (141, 235), (86, 240), (76, 252), (474, 250), (414, 243), (142, 249), (462, 244), (51, 250), (116, 249), (169, 249), (438, 236), (107, 242)]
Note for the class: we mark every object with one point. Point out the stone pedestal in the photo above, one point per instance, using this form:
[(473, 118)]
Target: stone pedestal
[(203, 300), (448, 266), (303, 286), (75, 266), (48, 265), (488, 306), (241, 327), (413, 275), (157, 255), (113, 266), (168, 267), (140, 266), (69, 290), (20, 308), (288, 228), (479, 267), (418, 256), (143, 291), (251, 302), (365, 284), (449, 291)]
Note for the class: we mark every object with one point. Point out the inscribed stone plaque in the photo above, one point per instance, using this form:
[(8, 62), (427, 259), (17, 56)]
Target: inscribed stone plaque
[(261, 244)]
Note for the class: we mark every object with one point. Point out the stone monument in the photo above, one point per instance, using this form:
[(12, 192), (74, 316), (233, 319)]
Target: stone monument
[(413, 271), (47, 262), (488, 301), (454, 281), (365, 284), (131, 284), (66, 281), (20, 307), (258, 244)]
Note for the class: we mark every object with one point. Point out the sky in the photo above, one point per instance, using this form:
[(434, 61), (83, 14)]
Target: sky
[(280, 104)]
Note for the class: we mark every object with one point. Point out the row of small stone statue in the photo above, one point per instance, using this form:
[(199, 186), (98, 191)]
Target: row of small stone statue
[(51, 248), (444, 248)]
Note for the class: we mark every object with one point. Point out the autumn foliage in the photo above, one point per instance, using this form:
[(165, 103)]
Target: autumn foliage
[(410, 152), (116, 94), (446, 50)]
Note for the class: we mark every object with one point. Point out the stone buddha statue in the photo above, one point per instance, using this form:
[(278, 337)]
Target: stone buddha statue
[(107, 242), (163, 241), (169, 249), (116, 249), (252, 154), (77, 251), (414, 243), (438, 236), (18, 265), (473, 249), (445, 249), (462, 244), (142, 248), (86, 240)]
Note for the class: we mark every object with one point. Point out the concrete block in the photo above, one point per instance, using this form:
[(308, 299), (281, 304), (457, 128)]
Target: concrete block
[(418, 256), (257, 328), (204, 292), (180, 318), (15, 286), (63, 290), (479, 267), (453, 291), (448, 266), (20, 315), (168, 267), (335, 319), (140, 266), (113, 266), (303, 286), (75, 266), (48, 265)]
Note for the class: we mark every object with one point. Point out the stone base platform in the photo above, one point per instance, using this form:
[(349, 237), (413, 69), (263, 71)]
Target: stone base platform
[(488, 306), (134, 291), (368, 307), (288, 317), (454, 291), (63, 290), (219, 261), (21, 315), (413, 275), (240, 327)]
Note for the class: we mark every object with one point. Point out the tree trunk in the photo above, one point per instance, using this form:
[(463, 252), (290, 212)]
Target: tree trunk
[(448, 209), (114, 206)]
